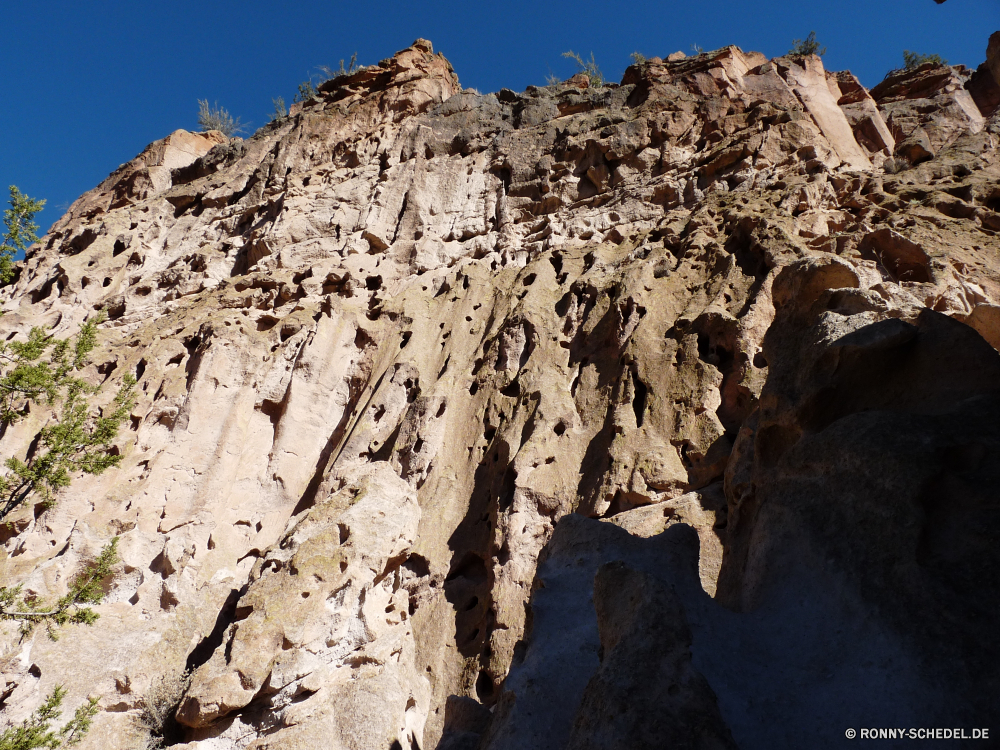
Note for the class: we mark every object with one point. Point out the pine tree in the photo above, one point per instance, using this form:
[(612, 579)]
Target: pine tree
[(43, 371), (20, 234)]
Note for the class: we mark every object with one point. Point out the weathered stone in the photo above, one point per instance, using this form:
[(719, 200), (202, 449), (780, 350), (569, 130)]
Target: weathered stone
[(416, 363)]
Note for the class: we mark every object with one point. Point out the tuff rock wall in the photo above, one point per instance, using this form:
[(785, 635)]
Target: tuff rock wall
[(663, 414)]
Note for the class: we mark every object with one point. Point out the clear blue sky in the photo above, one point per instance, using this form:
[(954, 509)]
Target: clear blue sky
[(87, 85)]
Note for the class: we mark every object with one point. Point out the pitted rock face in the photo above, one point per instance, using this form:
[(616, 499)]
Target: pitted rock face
[(416, 363)]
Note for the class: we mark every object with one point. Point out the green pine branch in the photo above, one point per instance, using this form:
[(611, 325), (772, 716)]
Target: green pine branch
[(34, 732), (41, 370), (21, 231)]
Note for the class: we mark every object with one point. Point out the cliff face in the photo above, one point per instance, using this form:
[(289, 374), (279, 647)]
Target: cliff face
[(656, 414)]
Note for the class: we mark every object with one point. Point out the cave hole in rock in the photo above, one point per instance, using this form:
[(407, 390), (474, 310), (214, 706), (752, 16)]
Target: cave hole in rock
[(107, 282), (484, 686), (363, 339), (474, 388), (529, 279), (560, 428), (140, 369), (471, 567), (116, 310), (562, 305), (507, 488), (579, 373), (405, 339), (43, 291), (373, 283), (192, 343), (639, 399), (557, 263), (119, 247), (441, 409), (272, 410), (412, 390)]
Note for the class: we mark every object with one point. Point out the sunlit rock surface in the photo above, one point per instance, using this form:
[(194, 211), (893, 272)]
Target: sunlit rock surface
[(660, 413)]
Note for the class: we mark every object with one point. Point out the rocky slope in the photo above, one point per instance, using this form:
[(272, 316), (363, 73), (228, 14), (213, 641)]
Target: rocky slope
[(658, 414)]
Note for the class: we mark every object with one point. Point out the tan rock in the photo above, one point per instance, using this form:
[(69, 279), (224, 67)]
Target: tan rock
[(410, 354)]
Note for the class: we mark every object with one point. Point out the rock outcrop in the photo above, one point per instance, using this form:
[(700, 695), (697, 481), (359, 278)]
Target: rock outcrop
[(652, 414)]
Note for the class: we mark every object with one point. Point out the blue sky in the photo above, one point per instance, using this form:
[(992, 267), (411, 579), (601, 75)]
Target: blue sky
[(86, 86)]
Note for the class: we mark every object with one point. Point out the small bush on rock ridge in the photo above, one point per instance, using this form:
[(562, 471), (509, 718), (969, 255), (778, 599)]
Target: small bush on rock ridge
[(912, 60), (217, 118), (589, 67), (306, 91), (807, 46), (280, 110), (352, 67)]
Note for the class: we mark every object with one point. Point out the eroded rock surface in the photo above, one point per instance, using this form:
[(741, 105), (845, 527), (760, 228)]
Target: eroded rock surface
[(433, 383)]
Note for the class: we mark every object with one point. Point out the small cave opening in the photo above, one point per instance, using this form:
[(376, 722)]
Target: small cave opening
[(639, 399)]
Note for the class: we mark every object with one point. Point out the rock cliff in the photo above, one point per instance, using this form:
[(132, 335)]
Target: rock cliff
[(660, 414)]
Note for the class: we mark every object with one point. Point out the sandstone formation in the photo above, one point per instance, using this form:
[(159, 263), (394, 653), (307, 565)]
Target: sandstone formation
[(659, 414)]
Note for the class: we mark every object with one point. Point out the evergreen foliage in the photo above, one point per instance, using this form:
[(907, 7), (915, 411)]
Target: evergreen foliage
[(41, 370), (807, 46), (72, 608), (34, 732), (21, 229)]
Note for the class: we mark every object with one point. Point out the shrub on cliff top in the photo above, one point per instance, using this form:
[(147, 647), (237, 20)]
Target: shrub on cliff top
[(912, 60), (807, 46), (589, 67), (217, 118)]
